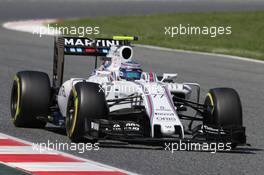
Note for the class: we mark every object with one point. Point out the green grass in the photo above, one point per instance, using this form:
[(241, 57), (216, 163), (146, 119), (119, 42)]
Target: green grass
[(247, 38)]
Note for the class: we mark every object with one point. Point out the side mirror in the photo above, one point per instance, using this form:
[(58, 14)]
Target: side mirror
[(168, 77)]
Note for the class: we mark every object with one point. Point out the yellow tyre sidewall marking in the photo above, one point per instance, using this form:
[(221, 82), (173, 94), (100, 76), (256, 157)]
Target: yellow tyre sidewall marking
[(76, 105), (18, 98), (211, 101)]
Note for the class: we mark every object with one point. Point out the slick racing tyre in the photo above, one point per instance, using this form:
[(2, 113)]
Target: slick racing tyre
[(30, 98), (224, 112), (224, 108), (86, 102)]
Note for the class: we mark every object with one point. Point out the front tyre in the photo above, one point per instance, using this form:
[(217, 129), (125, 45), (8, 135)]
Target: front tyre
[(30, 98), (224, 113), (86, 102), (224, 108)]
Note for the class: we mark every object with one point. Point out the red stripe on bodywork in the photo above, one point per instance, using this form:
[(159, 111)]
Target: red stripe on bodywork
[(36, 158), (78, 173), (9, 142), (151, 79)]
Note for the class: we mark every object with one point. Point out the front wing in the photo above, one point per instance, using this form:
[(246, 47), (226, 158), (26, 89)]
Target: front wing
[(131, 131)]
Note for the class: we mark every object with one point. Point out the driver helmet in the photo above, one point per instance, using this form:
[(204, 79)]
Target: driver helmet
[(130, 70)]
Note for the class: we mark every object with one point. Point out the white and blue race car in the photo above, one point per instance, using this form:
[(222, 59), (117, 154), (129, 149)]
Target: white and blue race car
[(120, 101)]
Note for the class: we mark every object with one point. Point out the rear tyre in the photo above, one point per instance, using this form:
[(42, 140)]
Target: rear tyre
[(30, 98), (86, 102)]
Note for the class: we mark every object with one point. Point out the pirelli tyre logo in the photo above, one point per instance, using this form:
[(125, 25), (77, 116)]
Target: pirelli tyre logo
[(85, 42)]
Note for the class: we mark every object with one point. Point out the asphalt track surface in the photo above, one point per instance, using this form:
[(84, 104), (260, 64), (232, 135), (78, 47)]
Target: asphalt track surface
[(23, 51)]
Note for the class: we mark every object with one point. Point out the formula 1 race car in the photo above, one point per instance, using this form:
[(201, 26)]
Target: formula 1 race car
[(119, 101)]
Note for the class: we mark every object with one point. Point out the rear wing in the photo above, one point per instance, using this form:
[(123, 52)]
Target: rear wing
[(83, 47)]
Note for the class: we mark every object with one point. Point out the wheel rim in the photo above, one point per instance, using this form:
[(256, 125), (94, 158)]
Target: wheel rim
[(14, 100), (71, 112), (209, 104)]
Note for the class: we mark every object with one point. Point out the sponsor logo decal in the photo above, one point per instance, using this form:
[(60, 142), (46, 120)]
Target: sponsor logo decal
[(132, 127), (164, 114), (95, 126), (116, 127), (91, 43)]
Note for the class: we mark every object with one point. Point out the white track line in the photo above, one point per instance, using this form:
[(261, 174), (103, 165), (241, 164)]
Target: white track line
[(59, 166), (23, 150), (200, 53), (2, 137), (35, 27)]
